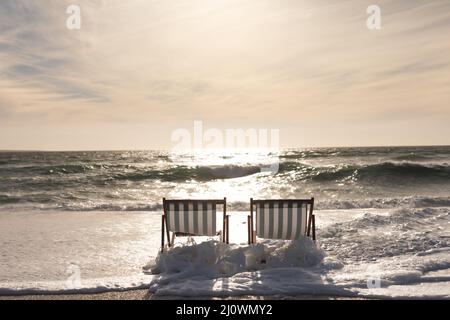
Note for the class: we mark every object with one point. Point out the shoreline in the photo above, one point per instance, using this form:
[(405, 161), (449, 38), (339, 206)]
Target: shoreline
[(122, 242), (143, 294)]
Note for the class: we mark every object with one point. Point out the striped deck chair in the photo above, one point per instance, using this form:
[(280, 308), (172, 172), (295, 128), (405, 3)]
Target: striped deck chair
[(281, 219), (192, 218)]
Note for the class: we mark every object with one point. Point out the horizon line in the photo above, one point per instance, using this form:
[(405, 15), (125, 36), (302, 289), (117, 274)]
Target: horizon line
[(168, 149)]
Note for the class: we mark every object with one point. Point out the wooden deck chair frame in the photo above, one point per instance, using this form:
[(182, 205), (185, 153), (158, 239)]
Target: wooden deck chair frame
[(252, 218), (224, 233)]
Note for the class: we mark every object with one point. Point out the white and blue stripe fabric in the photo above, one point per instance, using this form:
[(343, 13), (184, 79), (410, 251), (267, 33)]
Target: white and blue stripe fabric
[(281, 220), (193, 217)]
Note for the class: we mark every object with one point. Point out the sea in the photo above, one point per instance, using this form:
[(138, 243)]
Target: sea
[(90, 221)]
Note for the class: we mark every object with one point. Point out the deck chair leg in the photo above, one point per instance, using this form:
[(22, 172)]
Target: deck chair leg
[(167, 231), (162, 233), (249, 230), (308, 231), (228, 230), (314, 227), (168, 237), (173, 239)]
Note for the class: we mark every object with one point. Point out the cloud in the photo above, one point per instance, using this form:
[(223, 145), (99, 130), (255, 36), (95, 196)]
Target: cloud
[(240, 63), (416, 67), (41, 54), (45, 75)]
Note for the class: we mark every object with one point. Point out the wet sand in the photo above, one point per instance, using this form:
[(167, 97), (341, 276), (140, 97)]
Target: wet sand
[(143, 294)]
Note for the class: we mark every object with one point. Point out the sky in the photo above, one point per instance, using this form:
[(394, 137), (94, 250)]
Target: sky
[(138, 70)]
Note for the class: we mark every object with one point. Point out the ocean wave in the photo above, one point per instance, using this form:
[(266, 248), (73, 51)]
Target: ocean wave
[(371, 172), (415, 232), (413, 157), (184, 173), (70, 202), (384, 174), (50, 169), (374, 203), (130, 181), (382, 171), (384, 203)]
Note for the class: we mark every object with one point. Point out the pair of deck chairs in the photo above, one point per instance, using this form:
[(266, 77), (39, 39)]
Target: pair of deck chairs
[(284, 219)]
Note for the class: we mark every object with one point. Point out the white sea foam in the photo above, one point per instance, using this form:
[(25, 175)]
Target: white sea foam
[(408, 250), (292, 268), (75, 251), (370, 254)]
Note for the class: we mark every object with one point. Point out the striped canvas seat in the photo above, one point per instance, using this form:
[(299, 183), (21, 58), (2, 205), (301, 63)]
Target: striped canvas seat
[(281, 220), (285, 219), (192, 217)]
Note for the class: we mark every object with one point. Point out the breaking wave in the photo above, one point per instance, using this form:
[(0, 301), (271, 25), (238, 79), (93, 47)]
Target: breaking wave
[(339, 178), (381, 171)]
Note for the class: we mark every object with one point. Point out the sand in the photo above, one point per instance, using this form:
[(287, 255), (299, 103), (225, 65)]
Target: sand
[(143, 294)]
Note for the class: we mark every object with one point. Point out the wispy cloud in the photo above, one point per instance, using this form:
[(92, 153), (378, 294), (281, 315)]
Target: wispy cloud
[(39, 53), (229, 62)]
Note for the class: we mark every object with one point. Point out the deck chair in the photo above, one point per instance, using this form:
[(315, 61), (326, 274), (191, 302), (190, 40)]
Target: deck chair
[(285, 219), (192, 218)]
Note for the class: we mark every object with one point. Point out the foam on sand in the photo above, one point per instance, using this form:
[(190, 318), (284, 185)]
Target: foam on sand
[(215, 268), (403, 253), (292, 268), (406, 251)]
